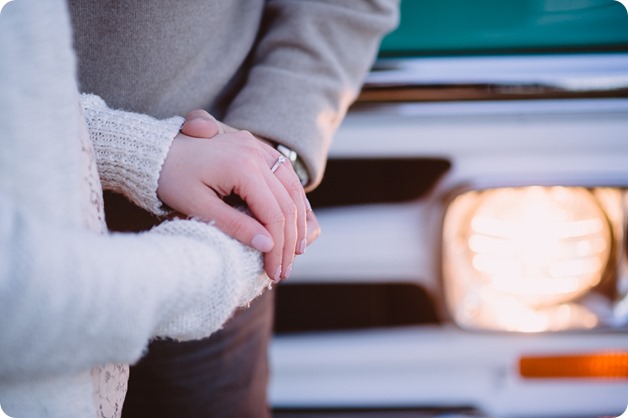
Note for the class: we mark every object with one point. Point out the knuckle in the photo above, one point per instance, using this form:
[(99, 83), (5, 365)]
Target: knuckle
[(246, 160), (290, 210), (236, 226), (293, 185), (245, 136), (276, 218)]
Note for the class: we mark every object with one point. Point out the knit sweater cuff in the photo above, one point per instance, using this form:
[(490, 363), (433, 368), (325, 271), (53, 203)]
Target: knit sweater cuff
[(130, 150), (204, 305)]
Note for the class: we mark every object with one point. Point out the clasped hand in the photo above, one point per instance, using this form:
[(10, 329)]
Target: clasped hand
[(209, 161)]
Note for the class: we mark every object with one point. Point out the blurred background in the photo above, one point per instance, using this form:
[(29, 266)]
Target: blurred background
[(521, 102)]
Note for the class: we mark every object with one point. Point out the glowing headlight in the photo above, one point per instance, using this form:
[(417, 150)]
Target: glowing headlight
[(514, 258)]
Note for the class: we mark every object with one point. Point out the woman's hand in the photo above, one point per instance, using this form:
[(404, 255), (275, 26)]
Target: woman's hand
[(198, 174)]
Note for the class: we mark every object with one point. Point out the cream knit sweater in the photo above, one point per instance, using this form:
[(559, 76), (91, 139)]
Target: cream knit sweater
[(130, 150), (71, 299)]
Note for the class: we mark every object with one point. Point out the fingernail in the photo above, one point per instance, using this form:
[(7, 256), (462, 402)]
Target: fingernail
[(308, 205), (277, 276), (303, 246), (262, 243), (288, 271)]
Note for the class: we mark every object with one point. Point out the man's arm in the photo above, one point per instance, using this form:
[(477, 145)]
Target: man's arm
[(307, 69)]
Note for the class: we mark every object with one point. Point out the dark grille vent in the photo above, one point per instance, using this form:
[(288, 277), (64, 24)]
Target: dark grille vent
[(364, 181), (326, 307)]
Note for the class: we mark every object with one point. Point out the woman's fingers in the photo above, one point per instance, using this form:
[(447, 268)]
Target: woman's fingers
[(288, 223), (197, 175), (290, 181), (233, 221), (200, 123), (313, 228)]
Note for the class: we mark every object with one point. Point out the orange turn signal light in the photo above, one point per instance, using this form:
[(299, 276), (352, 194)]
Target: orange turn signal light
[(604, 365)]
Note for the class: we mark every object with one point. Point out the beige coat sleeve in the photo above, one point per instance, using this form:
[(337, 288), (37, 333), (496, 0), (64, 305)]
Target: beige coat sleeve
[(307, 69)]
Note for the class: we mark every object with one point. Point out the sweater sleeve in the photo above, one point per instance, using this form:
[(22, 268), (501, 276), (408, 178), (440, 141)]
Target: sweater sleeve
[(307, 69), (130, 150), (71, 299), (62, 288)]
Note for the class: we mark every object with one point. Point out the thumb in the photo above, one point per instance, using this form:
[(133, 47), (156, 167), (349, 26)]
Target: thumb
[(238, 225), (200, 124)]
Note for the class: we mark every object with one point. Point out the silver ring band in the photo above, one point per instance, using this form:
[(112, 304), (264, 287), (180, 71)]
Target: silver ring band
[(279, 161)]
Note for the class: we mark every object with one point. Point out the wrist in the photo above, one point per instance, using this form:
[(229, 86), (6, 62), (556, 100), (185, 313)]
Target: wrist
[(295, 160)]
